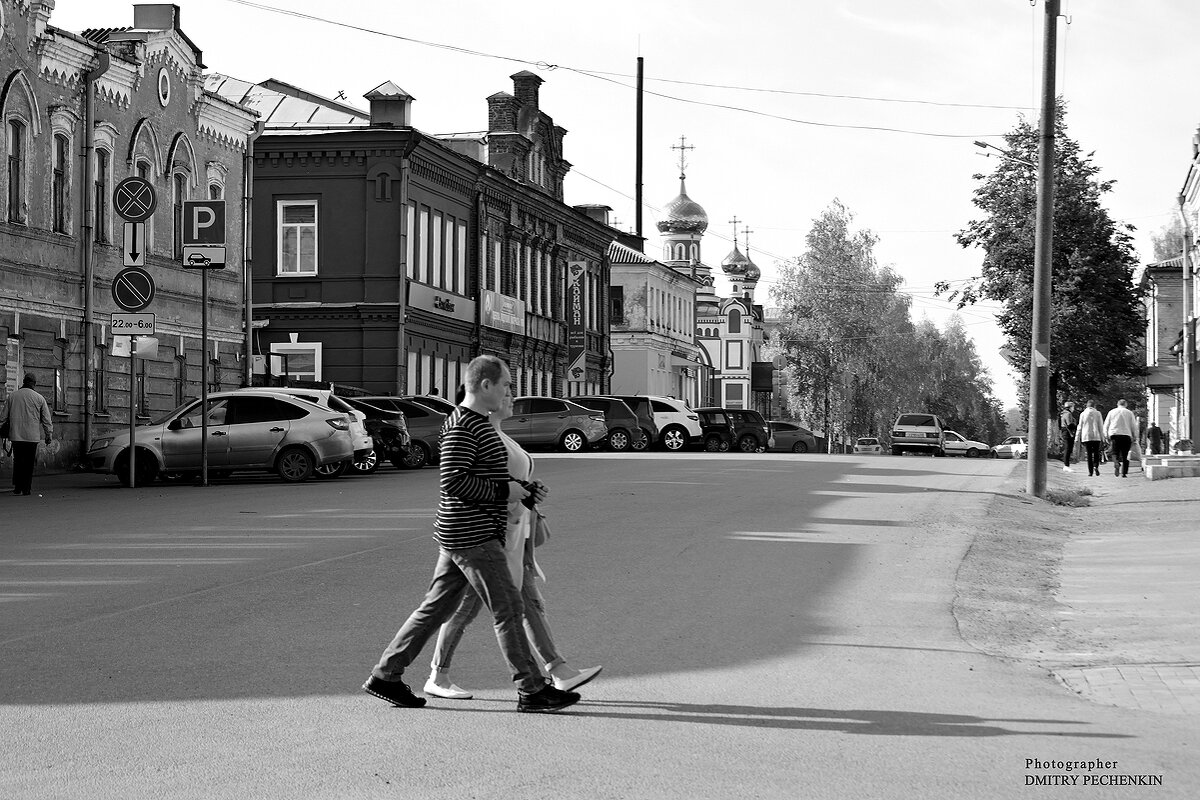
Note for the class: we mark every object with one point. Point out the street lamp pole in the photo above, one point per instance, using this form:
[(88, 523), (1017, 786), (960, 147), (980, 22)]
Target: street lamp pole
[(1039, 362)]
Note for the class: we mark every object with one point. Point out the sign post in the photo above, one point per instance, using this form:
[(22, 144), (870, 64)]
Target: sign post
[(203, 224), (576, 333)]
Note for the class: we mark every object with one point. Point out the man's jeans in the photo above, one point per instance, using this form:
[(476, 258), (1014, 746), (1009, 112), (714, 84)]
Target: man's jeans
[(485, 569)]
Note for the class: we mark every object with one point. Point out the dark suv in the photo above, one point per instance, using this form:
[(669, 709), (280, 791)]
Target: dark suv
[(424, 430), (718, 430), (641, 411), (750, 430), (624, 431)]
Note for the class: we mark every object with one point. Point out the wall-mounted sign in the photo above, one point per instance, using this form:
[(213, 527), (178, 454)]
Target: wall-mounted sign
[(440, 302), (503, 312), (576, 335)]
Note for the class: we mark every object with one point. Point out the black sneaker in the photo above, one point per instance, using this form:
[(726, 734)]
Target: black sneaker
[(395, 692), (547, 700)]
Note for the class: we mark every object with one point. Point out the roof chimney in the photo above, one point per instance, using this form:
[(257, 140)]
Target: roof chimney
[(525, 87), (155, 17), (391, 106)]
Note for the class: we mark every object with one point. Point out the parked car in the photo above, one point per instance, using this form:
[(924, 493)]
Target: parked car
[(624, 432), (868, 446), (424, 430), (389, 434), (750, 430), (918, 433), (958, 445), (554, 422), (791, 437), (718, 429), (363, 445), (678, 426), (248, 429), (431, 401), (645, 420), (1012, 447)]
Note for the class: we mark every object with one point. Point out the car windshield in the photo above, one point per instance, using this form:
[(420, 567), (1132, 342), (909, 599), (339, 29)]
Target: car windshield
[(868, 441), (920, 420), (1012, 440)]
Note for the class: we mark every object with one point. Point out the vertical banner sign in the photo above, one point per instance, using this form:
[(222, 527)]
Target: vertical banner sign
[(576, 338)]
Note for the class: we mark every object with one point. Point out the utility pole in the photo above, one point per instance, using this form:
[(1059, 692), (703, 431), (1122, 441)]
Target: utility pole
[(637, 180), (1184, 424), (1039, 362)]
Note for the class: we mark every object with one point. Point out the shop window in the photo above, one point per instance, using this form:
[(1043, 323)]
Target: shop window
[(298, 361)]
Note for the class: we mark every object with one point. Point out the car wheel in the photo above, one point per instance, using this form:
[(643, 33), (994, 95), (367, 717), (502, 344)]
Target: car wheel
[(674, 438), (295, 465), (642, 443), (367, 464), (573, 442), (618, 441), (144, 465), (993, 454), (415, 456), (896, 451), (713, 444), (938, 453), (747, 444), (972, 452), (799, 447), (332, 470)]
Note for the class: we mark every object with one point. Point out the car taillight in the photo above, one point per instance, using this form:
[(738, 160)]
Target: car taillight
[(338, 423)]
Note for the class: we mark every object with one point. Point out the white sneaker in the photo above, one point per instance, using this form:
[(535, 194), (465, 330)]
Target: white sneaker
[(451, 692), (585, 675)]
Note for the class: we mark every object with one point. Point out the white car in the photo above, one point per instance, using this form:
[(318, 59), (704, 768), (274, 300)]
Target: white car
[(678, 426), (868, 446), (957, 445), (1012, 447), (364, 446)]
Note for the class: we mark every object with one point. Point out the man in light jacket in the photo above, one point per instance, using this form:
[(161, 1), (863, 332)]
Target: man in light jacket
[(1121, 428), (1090, 435), (28, 418)]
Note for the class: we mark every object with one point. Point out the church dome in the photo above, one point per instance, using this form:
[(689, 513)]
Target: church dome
[(735, 263), (753, 273), (683, 214)]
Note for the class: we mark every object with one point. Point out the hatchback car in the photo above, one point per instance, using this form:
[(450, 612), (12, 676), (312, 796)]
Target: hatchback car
[(624, 432), (958, 445), (790, 437), (918, 433), (1012, 447), (868, 446), (363, 445), (750, 431), (718, 429), (248, 429), (645, 420), (424, 430), (553, 422), (678, 426)]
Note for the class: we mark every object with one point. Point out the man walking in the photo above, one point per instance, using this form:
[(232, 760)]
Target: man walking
[(1090, 434), (28, 419), (1067, 425), (1121, 428), (470, 527)]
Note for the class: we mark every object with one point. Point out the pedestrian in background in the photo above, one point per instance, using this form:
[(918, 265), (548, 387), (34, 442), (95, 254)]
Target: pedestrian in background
[(475, 489), (1121, 428), (1090, 435), (1154, 440), (27, 416), (1067, 426)]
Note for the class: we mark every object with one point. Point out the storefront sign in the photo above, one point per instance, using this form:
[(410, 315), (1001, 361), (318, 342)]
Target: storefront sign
[(576, 337), (503, 312), (441, 302)]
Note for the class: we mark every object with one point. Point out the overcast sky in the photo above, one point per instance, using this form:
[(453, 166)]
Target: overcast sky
[(937, 73)]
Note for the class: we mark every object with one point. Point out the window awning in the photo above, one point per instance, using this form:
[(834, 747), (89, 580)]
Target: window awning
[(1164, 377)]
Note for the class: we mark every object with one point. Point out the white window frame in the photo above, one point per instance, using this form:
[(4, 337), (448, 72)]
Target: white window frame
[(281, 269), (287, 348), (410, 245)]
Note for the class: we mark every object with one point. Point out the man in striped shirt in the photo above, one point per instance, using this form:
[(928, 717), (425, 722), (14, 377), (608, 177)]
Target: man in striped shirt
[(475, 490)]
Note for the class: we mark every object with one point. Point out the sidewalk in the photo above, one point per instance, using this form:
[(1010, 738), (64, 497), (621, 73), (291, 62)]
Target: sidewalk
[(1129, 586)]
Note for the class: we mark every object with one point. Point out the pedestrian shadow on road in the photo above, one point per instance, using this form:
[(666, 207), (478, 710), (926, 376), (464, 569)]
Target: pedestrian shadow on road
[(862, 721)]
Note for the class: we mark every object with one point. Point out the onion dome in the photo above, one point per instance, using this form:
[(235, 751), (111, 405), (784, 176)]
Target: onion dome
[(683, 214), (735, 263), (753, 273)]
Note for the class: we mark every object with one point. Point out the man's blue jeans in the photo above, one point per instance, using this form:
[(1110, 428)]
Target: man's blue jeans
[(485, 569)]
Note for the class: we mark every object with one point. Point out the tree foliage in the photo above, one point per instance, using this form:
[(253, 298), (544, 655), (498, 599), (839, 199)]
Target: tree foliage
[(1168, 240), (1096, 315)]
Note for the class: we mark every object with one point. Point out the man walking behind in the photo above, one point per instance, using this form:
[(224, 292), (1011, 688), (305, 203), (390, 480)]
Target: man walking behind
[(1121, 428), (1091, 436), (1067, 425), (28, 418), (470, 527)]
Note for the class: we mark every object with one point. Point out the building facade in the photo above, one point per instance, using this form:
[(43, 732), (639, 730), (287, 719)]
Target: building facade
[(82, 112), (1162, 293)]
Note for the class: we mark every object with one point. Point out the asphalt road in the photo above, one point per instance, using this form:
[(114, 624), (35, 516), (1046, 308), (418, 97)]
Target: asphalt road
[(770, 626)]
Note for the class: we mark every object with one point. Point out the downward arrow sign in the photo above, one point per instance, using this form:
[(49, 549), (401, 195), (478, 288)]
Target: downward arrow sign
[(133, 253), (133, 248)]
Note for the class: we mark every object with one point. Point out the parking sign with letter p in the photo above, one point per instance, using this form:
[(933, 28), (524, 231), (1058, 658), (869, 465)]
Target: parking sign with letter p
[(204, 222)]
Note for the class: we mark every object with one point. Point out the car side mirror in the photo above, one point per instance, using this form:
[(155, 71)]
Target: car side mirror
[(175, 424)]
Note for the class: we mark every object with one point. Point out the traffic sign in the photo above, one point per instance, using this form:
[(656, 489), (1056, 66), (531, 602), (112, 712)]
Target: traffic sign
[(204, 222), (133, 254), (203, 257), (134, 199), (133, 324), (133, 289)]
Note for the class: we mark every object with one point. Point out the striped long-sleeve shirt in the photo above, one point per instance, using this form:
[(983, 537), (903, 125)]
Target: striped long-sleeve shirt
[(474, 482)]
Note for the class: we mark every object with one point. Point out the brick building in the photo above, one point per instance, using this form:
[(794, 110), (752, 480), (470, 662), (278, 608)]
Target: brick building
[(80, 113)]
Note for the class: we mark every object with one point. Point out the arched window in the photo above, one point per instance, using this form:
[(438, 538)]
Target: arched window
[(146, 173), (735, 321), (178, 195), (695, 251), (59, 182), (101, 196), (215, 191), (16, 171)]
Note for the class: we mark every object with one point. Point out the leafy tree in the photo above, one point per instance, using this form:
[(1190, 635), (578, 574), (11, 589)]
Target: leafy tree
[(1168, 240), (1096, 314)]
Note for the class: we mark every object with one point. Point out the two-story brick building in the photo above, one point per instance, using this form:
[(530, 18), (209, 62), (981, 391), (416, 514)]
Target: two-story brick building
[(80, 113)]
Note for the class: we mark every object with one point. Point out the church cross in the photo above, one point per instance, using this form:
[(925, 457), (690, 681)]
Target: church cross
[(682, 147)]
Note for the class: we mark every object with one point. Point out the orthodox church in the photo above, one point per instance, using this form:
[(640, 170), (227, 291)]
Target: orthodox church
[(729, 330)]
